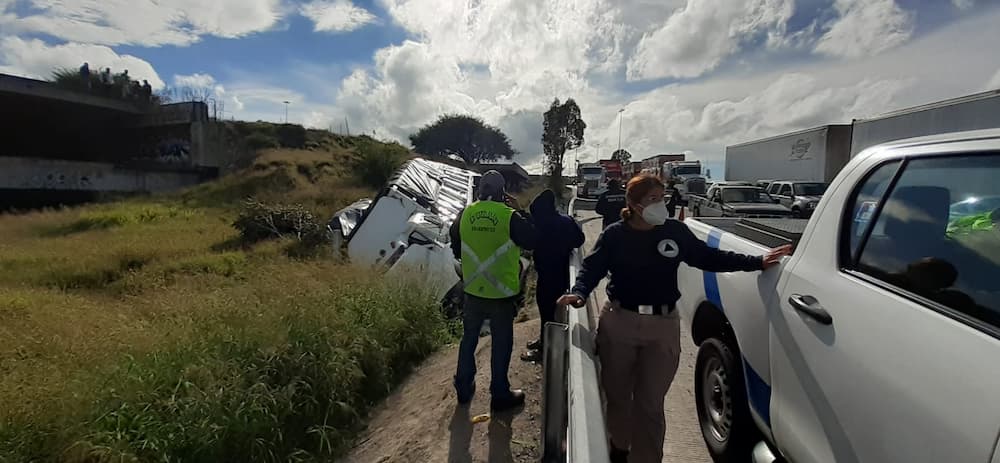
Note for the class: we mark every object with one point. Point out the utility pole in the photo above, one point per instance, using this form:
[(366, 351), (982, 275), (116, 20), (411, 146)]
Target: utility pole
[(598, 145), (347, 126), (620, 117), (286, 111)]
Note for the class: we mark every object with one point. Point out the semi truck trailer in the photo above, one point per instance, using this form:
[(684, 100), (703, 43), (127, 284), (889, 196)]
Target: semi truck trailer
[(814, 155)]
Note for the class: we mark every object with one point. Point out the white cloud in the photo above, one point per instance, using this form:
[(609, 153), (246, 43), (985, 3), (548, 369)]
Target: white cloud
[(696, 38), (145, 22), (34, 58), (964, 4), (412, 83), (866, 27), (196, 80), (336, 15)]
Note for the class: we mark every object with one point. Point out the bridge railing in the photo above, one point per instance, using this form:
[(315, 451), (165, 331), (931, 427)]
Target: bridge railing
[(573, 424)]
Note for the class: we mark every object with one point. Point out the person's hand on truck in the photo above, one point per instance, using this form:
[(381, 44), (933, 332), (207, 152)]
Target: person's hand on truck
[(773, 257)]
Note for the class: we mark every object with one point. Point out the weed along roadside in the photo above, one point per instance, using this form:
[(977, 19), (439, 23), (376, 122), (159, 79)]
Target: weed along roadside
[(200, 326)]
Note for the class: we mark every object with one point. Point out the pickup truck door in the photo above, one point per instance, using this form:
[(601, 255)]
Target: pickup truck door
[(714, 208), (863, 368), (784, 195)]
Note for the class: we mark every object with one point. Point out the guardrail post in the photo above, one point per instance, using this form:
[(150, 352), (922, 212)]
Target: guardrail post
[(554, 393)]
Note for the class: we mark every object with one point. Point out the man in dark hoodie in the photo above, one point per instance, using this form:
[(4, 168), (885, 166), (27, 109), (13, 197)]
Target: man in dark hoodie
[(610, 203), (558, 236)]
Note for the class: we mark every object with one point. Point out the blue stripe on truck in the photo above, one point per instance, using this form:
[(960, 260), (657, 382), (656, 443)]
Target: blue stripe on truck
[(758, 391)]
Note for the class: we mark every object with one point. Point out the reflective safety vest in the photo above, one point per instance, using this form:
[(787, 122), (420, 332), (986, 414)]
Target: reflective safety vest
[(971, 223), (490, 260)]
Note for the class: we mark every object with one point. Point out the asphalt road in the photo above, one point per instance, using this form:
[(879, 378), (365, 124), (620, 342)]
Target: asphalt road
[(683, 443)]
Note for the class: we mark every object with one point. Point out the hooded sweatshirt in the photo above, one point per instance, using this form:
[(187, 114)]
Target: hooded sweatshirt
[(558, 236)]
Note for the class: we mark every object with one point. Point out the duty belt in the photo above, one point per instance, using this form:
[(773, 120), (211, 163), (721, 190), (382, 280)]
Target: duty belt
[(645, 309)]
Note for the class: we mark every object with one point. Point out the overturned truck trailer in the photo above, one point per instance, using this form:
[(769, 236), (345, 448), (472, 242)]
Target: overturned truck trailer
[(404, 230)]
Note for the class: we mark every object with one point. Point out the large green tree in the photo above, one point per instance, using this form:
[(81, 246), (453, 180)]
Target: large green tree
[(466, 136), (562, 130), (622, 155)]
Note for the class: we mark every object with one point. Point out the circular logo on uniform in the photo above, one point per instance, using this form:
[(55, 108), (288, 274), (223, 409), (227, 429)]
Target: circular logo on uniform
[(668, 248)]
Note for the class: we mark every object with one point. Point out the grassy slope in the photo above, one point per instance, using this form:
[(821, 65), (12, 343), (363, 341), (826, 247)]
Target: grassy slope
[(142, 330)]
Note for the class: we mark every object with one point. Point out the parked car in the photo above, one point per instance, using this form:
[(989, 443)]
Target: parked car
[(736, 201), (875, 340), (800, 197)]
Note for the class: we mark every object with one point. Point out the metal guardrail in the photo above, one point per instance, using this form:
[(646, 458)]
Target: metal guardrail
[(573, 425)]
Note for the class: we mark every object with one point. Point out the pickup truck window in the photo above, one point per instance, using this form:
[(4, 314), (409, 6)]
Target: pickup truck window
[(865, 200), (928, 242), (810, 189), (773, 188), (786, 190), (745, 195)]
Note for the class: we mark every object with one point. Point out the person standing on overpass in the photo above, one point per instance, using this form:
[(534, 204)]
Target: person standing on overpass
[(488, 237), (558, 236), (611, 202), (638, 335)]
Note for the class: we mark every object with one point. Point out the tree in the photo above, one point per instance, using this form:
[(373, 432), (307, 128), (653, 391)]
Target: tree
[(622, 155), (562, 131), (466, 136)]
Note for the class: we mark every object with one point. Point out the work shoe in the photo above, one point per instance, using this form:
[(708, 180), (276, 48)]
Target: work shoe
[(618, 455), (514, 400), (532, 356), (535, 345)]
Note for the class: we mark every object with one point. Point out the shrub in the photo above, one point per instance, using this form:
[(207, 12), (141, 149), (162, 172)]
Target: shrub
[(378, 163), (258, 222), (260, 140), (291, 136)]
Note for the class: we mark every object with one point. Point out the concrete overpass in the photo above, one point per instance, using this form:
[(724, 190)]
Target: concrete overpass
[(72, 141)]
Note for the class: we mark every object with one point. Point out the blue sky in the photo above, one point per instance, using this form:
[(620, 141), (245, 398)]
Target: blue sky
[(693, 75)]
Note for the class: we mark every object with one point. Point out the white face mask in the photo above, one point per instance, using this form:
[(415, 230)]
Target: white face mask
[(656, 213)]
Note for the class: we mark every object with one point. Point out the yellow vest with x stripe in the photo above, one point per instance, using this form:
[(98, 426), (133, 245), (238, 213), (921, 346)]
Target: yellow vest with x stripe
[(490, 260)]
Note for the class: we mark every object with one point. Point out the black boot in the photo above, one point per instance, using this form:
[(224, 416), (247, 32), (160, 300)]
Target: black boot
[(516, 399), (618, 455)]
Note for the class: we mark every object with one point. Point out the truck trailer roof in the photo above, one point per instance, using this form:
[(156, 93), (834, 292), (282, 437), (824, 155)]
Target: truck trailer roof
[(934, 105), (791, 134)]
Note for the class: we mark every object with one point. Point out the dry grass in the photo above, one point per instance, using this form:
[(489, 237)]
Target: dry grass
[(144, 331)]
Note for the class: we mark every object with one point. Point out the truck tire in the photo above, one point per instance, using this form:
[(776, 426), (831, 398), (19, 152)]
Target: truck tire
[(721, 399), (696, 212), (796, 213)]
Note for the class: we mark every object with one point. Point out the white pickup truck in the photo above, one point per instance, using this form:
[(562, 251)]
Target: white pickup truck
[(878, 339)]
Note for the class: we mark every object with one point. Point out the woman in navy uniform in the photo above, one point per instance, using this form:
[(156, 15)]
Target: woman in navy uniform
[(638, 337)]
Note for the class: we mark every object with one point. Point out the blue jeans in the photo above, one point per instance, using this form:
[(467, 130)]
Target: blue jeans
[(501, 313)]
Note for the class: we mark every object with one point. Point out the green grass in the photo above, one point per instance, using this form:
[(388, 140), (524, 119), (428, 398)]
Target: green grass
[(148, 330)]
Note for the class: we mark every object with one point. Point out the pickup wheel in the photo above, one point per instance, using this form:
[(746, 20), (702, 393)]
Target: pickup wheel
[(696, 212), (796, 213), (723, 411)]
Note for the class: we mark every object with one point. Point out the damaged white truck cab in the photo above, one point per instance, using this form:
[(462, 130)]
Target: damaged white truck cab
[(877, 340), (404, 230)]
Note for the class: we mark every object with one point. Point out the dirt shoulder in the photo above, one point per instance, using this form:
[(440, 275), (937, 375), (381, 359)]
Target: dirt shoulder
[(421, 421)]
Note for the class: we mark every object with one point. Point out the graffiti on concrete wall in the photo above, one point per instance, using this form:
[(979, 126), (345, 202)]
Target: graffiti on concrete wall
[(174, 151), (58, 179)]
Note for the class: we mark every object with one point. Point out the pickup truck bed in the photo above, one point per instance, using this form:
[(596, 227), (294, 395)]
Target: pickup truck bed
[(769, 233)]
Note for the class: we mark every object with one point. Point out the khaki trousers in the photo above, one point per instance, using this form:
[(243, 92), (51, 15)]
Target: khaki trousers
[(639, 356)]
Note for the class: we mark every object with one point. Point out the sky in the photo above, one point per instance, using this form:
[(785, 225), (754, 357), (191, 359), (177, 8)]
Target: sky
[(691, 75)]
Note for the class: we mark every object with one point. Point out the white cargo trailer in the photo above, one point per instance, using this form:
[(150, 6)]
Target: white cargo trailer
[(973, 112), (814, 155)]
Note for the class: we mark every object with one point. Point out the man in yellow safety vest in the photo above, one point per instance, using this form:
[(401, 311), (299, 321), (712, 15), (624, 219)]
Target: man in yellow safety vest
[(488, 237)]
